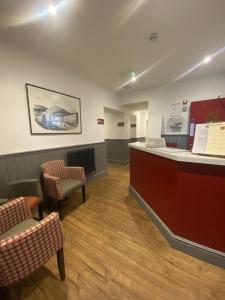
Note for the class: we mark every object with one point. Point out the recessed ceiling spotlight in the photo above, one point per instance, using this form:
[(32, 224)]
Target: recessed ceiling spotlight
[(52, 10), (207, 59), (153, 37)]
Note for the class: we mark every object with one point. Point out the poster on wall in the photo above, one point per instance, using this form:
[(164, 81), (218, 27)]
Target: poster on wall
[(175, 110), (52, 112), (175, 125)]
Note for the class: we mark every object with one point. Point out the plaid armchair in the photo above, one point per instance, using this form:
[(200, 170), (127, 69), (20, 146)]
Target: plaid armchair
[(26, 244), (60, 181)]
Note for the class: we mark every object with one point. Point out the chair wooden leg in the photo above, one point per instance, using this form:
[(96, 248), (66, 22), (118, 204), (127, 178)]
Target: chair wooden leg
[(49, 203), (3, 293), (61, 216), (61, 264), (83, 193), (40, 211)]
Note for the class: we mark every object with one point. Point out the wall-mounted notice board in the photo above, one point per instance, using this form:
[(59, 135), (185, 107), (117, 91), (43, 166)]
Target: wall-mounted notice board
[(204, 112)]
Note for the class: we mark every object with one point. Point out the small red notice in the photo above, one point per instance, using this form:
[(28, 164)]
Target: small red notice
[(100, 121)]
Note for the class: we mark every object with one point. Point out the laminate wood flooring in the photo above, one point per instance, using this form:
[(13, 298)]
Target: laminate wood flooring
[(113, 251)]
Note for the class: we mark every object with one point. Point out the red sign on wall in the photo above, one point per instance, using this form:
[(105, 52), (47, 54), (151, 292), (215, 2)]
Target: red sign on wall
[(120, 124), (100, 121)]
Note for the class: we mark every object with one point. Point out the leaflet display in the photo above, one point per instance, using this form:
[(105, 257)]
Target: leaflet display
[(210, 139)]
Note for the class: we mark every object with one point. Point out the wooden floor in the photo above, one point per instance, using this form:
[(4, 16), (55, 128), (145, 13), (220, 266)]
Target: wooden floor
[(113, 251)]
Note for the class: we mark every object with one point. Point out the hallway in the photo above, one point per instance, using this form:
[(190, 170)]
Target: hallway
[(113, 251)]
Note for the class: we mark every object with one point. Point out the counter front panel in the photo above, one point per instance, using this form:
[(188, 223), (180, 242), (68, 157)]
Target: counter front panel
[(189, 198)]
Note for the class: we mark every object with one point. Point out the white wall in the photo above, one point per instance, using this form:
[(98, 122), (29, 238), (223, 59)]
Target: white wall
[(112, 131), (192, 89), (142, 117), (133, 130), (111, 128), (19, 67)]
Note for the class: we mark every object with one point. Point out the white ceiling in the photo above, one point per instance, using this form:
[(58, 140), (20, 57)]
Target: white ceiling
[(103, 39)]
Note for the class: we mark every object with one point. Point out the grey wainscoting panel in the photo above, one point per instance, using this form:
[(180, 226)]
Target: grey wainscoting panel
[(180, 140), (118, 150), (26, 165)]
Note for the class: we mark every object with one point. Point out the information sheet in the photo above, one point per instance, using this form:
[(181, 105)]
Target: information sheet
[(216, 139), (201, 138)]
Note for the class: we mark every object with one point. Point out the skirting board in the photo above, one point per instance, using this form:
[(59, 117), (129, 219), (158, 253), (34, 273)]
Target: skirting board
[(122, 162), (204, 253), (96, 176)]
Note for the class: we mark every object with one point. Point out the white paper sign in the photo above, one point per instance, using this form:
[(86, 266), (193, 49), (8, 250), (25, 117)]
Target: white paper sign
[(201, 137)]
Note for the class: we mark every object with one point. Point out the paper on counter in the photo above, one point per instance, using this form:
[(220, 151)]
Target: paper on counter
[(216, 139), (201, 137)]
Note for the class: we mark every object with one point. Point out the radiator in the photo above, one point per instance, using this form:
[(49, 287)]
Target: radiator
[(83, 158)]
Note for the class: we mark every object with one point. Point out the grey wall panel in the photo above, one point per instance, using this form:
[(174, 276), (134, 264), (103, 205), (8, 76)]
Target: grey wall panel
[(100, 157), (118, 150), (11, 168), (3, 178), (180, 140), (27, 165)]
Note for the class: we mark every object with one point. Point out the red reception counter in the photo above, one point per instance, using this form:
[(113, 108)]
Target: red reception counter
[(185, 196)]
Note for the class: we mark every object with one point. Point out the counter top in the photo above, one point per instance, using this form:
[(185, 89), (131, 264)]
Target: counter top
[(186, 156)]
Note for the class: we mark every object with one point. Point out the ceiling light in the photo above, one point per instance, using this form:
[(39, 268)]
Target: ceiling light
[(52, 10), (207, 59), (132, 76)]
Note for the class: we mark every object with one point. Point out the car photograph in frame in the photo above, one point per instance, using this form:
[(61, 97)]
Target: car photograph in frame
[(52, 112)]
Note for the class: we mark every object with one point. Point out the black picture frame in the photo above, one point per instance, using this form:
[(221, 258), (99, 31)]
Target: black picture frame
[(52, 112)]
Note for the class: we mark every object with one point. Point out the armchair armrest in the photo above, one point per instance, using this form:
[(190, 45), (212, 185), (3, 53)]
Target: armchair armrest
[(26, 187), (74, 173), (13, 213), (23, 253), (53, 187)]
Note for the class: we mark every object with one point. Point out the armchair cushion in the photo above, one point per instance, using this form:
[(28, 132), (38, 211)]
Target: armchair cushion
[(18, 228), (69, 185), (13, 213)]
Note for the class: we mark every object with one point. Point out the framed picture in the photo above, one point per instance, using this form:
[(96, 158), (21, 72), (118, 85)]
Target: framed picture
[(175, 126), (51, 112)]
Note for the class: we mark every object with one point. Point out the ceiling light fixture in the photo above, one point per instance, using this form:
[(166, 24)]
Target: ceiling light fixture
[(207, 59), (133, 76), (52, 10)]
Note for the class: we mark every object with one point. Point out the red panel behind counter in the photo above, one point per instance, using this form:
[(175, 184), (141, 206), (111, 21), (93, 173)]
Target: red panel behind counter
[(206, 111), (189, 198)]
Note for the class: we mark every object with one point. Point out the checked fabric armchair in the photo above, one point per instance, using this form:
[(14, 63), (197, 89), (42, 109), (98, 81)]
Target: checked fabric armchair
[(60, 181), (26, 244)]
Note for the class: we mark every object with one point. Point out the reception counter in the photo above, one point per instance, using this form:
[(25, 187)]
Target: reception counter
[(184, 194)]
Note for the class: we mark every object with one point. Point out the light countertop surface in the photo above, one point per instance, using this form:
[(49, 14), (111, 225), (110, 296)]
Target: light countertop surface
[(186, 156)]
